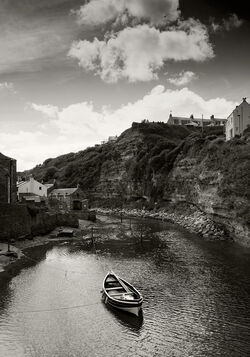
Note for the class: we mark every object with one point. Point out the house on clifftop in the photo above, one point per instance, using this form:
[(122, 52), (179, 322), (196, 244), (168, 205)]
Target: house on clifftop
[(192, 121), (8, 191), (238, 120)]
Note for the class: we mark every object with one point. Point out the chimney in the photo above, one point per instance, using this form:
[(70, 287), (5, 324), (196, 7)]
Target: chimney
[(244, 99), (212, 117), (191, 116)]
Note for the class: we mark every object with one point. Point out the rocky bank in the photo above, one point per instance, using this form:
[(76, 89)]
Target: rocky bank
[(190, 219)]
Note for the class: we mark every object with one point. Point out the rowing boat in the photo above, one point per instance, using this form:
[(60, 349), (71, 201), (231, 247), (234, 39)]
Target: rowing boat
[(121, 295)]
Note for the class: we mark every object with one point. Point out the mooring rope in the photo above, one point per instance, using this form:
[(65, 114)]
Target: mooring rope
[(55, 309)]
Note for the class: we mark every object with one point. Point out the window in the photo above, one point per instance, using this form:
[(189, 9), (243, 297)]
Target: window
[(40, 187)]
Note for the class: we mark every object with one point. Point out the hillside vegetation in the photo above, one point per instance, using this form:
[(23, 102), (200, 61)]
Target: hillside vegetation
[(158, 164), (154, 146)]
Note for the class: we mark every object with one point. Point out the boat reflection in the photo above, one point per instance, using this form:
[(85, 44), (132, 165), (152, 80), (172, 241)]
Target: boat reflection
[(130, 321)]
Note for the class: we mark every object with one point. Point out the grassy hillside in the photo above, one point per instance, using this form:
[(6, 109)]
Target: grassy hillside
[(148, 152), (84, 168)]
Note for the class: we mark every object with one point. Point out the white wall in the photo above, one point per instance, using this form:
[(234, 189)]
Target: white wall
[(33, 186), (238, 121)]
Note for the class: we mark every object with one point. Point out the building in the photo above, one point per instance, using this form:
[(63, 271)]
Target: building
[(8, 191), (31, 190), (112, 139), (199, 122), (238, 120), (69, 198), (50, 186)]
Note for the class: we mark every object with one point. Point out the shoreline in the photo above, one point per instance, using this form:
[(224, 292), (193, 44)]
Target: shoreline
[(193, 221), (8, 264)]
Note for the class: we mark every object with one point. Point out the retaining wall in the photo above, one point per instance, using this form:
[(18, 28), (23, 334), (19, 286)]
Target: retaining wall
[(18, 221)]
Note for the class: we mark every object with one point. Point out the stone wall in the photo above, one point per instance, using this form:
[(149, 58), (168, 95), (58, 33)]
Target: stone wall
[(19, 221), (8, 191), (15, 221)]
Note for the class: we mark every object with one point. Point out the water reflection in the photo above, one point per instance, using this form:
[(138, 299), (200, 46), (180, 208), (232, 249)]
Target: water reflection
[(196, 298), (132, 322)]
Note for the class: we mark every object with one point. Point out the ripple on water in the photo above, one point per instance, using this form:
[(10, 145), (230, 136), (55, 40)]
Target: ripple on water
[(196, 302)]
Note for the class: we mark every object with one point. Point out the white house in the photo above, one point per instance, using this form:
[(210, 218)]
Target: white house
[(192, 121), (238, 120), (31, 188)]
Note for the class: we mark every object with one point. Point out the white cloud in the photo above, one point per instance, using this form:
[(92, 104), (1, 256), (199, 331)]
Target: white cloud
[(232, 22), (80, 125), (99, 12), (138, 53), (156, 11), (183, 78), (49, 110)]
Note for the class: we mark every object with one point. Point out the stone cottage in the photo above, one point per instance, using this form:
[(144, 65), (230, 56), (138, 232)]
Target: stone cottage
[(69, 198)]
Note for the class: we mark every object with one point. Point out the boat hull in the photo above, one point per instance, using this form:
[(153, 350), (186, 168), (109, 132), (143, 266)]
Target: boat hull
[(121, 295), (134, 309)]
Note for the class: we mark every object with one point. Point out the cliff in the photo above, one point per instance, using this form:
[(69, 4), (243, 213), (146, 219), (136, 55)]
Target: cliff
[(155, 165)]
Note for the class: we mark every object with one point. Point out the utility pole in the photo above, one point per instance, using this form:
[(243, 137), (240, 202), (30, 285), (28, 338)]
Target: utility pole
[(141, 236), (8, 244), (92, 234)]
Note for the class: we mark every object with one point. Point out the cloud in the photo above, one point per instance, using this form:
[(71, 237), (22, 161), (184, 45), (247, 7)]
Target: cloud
[(138, 53), (48, 110), (99, 12), (228, 24), (6, 85), (183, 78), (232, 22), (79, 125)]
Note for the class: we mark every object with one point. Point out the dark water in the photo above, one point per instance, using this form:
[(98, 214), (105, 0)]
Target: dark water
[(197, 299)]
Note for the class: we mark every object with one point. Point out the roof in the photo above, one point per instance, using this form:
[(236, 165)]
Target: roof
[(3, 157), (237, 106), (48, 185), (64, 191), (197, 119), (20, 183)]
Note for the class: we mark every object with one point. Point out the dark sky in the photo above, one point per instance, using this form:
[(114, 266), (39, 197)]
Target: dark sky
[(203, 9)]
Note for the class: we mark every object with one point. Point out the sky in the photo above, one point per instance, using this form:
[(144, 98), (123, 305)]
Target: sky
[(74, 72)]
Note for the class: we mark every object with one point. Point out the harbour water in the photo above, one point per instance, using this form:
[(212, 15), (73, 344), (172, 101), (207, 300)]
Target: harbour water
[(196, 298)]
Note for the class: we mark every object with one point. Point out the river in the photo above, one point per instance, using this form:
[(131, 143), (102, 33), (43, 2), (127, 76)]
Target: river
[(196, 298)]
